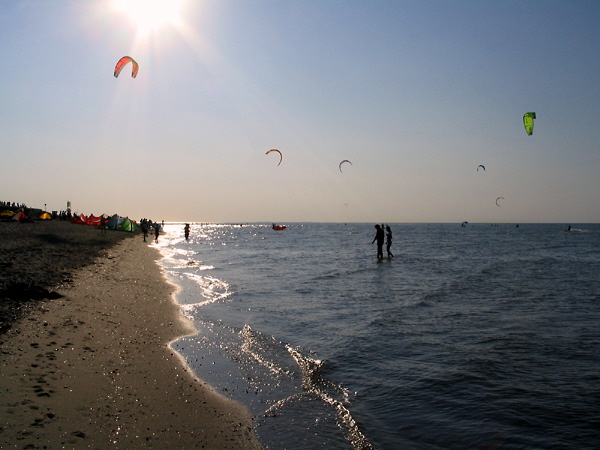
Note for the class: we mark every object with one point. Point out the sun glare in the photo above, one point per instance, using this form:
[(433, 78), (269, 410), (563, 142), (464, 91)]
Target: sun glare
[(149, 15)]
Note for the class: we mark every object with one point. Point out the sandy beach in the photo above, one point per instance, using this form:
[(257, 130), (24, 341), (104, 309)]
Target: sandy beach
[(92, 368)]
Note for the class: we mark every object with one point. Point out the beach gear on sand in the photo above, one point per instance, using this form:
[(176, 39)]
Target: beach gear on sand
[(115, 222)]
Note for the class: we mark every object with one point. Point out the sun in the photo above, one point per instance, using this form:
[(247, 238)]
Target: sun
[(150, 15)]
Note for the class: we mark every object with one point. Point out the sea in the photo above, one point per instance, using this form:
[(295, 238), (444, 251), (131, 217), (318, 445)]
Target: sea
[(480, 336)]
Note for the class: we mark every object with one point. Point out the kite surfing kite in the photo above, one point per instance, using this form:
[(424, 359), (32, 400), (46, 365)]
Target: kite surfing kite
[(275, 150), (123, 62), (499, 198), (344, 161), (528, 119), (482, 166)]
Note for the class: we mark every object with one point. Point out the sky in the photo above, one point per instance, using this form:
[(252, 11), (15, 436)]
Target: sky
[(415, 94)]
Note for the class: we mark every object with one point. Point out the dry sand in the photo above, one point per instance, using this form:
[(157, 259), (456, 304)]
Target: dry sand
[(93, 369)]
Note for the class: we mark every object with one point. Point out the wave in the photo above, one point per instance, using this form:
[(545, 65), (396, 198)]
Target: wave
[(206, 289), (314, 383), (269, 353), (263, 351)]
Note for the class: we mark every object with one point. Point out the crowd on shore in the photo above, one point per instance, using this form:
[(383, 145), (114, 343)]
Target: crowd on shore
[(12, 205), (147, 224), (30, 213)]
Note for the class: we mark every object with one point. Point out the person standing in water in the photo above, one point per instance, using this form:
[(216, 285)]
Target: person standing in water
[(388, 242), (186, 231), (379, 237)]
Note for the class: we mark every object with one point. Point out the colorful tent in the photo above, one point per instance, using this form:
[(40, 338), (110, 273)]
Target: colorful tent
[(21, 217)]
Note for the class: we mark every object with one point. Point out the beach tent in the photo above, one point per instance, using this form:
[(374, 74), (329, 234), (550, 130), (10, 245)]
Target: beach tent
[(21, 217), (45, 216)]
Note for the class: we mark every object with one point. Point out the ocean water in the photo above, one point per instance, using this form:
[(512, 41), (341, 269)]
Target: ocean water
[(470, 337)]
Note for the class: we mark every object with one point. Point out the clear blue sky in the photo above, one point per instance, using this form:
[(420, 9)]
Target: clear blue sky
[(415, 94)]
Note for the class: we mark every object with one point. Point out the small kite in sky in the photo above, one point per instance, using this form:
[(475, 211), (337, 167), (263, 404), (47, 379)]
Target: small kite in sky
[(482, 166), (344, 161), (499, 198), (122, 62), (528, 119), (275, 150)]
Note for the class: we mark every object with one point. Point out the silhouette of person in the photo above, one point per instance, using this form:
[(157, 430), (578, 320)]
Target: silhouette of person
[(379, 237), (156, 232), (186, 231), (388, 242), (103, 223), (144, 228)]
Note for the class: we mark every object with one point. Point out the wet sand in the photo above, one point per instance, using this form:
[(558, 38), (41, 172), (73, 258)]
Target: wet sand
[(92, 369)]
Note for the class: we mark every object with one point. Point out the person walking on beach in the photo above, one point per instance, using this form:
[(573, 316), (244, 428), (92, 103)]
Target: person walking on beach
[(156, 232), (379, 237), (144, 228), (103, 224), (388, 241), (186, 231)]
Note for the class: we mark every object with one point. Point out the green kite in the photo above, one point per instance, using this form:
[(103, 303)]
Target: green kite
[(528, 122)]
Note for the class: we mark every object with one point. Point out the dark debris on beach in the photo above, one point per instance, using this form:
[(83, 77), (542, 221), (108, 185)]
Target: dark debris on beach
[(37, 258)]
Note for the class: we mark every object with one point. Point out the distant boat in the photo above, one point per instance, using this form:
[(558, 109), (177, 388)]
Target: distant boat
[(279, 227)]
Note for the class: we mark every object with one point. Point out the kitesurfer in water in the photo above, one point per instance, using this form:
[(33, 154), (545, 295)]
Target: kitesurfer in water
[(186, 231), (388, 241), (379, 237)]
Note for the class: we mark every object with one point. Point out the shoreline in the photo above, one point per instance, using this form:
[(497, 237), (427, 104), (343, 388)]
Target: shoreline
[(95, 368)]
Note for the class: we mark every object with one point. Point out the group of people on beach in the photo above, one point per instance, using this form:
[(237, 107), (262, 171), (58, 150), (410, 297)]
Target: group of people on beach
[(146, 224), (382, 236), (13, 205)]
